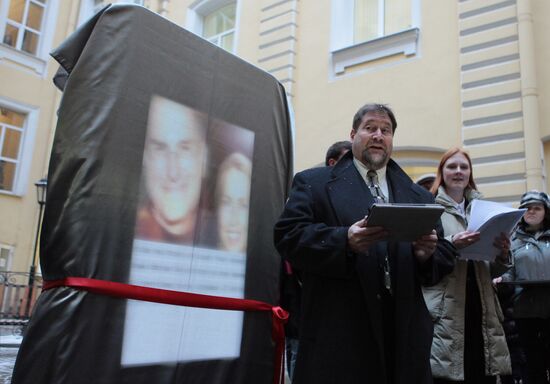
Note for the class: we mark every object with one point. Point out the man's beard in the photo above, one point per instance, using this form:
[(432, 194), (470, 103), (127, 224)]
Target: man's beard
[(374, 162)]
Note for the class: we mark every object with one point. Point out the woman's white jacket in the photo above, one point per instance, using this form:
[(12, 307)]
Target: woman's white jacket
[(446, 302)]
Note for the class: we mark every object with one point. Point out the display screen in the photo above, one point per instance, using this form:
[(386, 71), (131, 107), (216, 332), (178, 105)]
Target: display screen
[(191, 235)]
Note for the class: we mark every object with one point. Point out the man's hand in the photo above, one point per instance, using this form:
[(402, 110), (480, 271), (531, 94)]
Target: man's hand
[(463, 239), (361, 237), (424, 247)]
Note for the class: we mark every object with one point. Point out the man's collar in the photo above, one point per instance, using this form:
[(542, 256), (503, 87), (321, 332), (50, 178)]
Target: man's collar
[(382, 179), (362, 168)]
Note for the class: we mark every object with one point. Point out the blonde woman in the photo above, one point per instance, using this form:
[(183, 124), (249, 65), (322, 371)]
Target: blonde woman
[(468, 344)]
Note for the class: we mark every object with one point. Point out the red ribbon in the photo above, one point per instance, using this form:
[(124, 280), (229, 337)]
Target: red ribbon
[(165, 296)]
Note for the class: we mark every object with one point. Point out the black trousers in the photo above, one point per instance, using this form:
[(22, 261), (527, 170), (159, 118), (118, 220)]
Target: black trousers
[(534, 335), (474, 357)]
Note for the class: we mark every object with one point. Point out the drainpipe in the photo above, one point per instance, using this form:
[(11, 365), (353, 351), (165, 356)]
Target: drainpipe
[(529, 94)]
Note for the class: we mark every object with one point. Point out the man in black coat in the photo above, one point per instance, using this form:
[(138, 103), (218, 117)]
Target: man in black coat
[(364, 319)]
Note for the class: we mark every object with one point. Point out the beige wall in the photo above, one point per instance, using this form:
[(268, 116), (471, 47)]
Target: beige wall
[(23, 86), (429, 91), (541, 12), (423, 91)]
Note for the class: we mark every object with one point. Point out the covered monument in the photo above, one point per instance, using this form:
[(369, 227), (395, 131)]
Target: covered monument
[(170, 163)]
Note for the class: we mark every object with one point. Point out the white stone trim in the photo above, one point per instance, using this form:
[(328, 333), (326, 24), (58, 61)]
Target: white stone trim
[(345, 53), (405, 42), (27, 144), (87, 10)]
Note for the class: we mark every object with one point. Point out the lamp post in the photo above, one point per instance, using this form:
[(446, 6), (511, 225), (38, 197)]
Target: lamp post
[(41, 186)]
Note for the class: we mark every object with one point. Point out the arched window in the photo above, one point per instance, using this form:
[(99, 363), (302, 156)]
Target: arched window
[(417, 162)]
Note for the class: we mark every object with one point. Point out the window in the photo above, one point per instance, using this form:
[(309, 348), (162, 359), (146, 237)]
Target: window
[(5, 257), (416, 172), (17, 130), (418, 161), (219, 27), (88, 8), (216, 21), (11, 132), (23, 28), (26, 32), (376, 18), (367, 30)]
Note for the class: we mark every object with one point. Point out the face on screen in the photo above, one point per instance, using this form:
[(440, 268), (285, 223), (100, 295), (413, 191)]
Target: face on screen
[(173, 163), (190, 235), (233, 203)]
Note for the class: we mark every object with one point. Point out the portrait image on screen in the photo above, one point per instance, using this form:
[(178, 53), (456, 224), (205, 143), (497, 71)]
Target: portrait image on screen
[(190, 235)]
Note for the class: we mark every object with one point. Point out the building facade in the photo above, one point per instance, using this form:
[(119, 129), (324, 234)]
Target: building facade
[(467, 73)]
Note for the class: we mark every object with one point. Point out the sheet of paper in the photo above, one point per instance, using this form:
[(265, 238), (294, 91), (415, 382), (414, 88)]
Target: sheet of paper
[(490, 219)]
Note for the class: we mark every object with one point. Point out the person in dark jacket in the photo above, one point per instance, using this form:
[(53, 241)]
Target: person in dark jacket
[(364, 319), (517, 356), (291, 284), (531, 270)]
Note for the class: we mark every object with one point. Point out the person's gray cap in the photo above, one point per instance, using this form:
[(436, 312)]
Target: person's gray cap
[(533, 197), (424, 178)]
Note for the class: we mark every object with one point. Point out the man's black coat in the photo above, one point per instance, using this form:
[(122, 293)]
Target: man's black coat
[(341, 333)]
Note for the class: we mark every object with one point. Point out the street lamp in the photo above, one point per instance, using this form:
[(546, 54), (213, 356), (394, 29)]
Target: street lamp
[(41, 186)]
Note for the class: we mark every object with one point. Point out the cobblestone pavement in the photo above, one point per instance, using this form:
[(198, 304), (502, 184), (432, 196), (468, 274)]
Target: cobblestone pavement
[(10, 338), (7, 360)]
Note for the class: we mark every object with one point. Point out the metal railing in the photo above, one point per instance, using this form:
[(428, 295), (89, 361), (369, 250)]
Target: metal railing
[(14, 296)]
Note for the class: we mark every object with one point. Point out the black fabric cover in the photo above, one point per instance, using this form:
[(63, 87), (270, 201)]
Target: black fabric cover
[(112, 67)]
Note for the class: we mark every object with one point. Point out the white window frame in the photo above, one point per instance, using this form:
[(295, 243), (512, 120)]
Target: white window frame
[(217, 39), (345, 53), (27, 145), (201, 8), (9, 261), (87, 8), (34, 63)]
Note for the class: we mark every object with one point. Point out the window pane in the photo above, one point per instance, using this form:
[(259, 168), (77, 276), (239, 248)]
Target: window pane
[(228, 16), (209, 26), (4, 258), (7, 174), (34, 17), (219, 21), (10, 36), (227, 42), (30, 42), (11, 117), (397, 16), (366, 20), (12, 139), (15, 13)]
